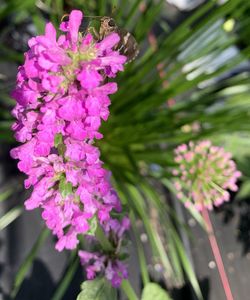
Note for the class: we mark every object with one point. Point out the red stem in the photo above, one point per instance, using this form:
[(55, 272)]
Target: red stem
[(216, 253)]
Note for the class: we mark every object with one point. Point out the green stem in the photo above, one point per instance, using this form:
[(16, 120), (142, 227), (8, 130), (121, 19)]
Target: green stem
[(128, 290)]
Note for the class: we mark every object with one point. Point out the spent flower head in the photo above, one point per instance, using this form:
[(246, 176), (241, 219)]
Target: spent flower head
[(204, 175)]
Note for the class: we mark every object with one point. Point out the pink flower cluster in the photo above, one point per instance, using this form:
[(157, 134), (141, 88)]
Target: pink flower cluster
[(108, 263), (204, 174), (61, 99)]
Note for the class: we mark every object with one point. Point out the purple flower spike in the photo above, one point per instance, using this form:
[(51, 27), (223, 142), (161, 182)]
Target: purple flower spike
[(61, 101)]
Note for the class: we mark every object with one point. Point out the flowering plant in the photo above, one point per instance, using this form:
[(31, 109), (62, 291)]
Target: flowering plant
[(205, 173), (61, 100), (78, 159)]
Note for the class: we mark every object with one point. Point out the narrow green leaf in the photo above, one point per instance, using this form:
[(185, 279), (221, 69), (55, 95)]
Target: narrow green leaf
[(24, 268), (10, 216), (102, 7), (59, 7), (140, 250), (67, 278), (39, 22), (156, 242), (174, 258), (134, 8), (187, 267), (5, 195), (16, 6), (244, 190), (128, 290), (5, 124)]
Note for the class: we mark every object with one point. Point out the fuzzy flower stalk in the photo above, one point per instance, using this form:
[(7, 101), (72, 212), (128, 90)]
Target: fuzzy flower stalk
[(62, 99), (204, 175)]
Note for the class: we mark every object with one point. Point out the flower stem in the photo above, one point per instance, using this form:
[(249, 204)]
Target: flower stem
[(216, 253), (128, 290)]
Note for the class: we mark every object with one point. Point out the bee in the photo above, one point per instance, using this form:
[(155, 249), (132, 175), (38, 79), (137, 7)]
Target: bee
[(127, 45)]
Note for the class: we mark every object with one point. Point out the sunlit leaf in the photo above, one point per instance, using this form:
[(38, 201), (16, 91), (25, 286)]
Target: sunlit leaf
[(10, 216), (97, 289), (4, 195), (153, 291)]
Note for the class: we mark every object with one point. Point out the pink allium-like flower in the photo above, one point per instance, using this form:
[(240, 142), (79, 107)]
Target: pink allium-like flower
[(109, 264), (204, 174), (61, 100)]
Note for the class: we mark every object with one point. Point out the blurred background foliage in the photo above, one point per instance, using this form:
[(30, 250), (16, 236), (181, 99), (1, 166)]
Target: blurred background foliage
[(190, 81)]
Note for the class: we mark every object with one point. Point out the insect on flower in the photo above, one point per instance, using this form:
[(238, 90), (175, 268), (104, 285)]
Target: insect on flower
[(127, 45)]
